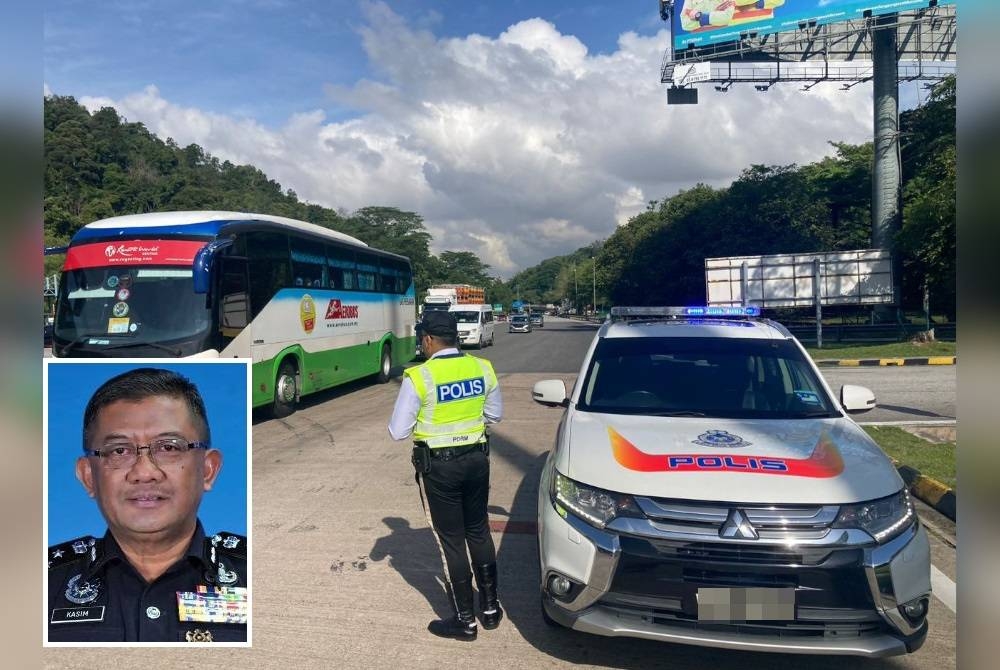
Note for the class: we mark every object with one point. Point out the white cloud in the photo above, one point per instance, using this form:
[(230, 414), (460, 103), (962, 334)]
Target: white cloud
[(517, 148)]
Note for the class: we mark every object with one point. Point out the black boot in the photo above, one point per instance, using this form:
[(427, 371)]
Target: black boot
[(486, 578), (463, 625)]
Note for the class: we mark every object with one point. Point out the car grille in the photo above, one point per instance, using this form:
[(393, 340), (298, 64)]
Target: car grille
[(666, 559), (784, 523)]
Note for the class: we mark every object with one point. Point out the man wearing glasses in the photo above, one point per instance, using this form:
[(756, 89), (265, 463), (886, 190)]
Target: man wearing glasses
[(155, 576)]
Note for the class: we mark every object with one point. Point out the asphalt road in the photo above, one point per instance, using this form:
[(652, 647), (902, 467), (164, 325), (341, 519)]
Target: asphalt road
[(346, 571)]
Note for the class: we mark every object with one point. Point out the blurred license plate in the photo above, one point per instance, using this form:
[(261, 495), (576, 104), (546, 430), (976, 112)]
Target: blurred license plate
[(746, 604)]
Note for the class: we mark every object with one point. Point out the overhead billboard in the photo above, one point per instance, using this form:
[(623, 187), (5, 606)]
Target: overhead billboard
[(859, 277), (700, 23)]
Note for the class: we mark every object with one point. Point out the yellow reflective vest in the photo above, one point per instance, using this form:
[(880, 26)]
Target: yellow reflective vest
[(452, 392)]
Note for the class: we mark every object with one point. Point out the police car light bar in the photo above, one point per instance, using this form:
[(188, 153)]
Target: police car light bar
[(624, 313)]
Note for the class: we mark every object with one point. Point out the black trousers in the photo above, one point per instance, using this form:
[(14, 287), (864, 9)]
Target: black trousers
[(457, 491)]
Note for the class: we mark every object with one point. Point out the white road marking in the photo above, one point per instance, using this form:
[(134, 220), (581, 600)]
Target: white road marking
[(943, 587)]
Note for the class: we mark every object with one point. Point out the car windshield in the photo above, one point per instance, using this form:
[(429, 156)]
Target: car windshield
[(466, 317), (128, 304), (518, 319), (714, 377)]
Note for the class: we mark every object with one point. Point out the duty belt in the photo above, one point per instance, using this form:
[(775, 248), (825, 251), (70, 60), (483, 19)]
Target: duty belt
[(448, 453)]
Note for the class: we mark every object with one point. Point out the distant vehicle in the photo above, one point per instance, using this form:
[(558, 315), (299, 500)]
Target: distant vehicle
[(443, 296), (538, 319), (475, 324), (500, 316), (707, 487), (312, 307), (519, 323)]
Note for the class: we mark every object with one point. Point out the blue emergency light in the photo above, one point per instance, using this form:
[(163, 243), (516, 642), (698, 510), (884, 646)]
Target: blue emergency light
[(748, 310), (623, 313)]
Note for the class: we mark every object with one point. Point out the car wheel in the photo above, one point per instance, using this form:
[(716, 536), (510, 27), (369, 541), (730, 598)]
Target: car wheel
[(285, 390), (385, 365), (479, 344), (493, 339)]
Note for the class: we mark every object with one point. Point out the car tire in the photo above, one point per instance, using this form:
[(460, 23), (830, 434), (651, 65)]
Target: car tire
[(479, 345), (385, 365), (285, 390), (493, 339)]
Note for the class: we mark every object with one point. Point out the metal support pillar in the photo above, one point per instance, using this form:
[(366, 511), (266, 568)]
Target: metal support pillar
[(887, 170)]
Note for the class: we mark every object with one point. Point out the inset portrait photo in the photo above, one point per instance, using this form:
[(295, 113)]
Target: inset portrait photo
[(147, 502)]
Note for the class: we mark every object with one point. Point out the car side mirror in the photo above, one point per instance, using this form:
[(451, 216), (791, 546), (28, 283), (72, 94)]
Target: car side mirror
[(550, 392), (856, 399)]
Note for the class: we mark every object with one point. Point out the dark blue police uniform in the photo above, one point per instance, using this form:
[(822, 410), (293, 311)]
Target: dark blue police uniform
[(95, 595)]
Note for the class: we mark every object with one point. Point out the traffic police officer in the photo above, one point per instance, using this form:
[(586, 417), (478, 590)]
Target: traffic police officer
[(155, 576), (445, 405)]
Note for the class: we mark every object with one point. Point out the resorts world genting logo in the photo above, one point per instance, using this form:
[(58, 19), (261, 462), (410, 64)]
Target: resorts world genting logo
[(128, 251)]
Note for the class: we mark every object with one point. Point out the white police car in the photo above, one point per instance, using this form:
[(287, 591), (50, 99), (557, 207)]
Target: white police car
[(706, 487)]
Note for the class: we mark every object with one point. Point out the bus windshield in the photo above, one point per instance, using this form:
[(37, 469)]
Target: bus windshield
[(129, 306)]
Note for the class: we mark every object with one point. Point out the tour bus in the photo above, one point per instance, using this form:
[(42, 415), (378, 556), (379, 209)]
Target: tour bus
[(310, 306)]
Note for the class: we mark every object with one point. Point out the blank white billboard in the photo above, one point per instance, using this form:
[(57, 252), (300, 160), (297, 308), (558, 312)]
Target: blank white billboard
[(860, 277)]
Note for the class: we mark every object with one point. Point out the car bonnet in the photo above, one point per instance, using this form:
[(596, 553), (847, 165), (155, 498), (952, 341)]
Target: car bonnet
[(808, 461)]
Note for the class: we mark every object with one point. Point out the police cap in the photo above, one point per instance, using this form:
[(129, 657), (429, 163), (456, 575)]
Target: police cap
[(440, 324)]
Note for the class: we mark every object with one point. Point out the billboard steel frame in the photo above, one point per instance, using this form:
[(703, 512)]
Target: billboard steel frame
[(926, 40)]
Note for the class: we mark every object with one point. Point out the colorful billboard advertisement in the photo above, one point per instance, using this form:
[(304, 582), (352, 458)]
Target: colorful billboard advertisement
[(702, 23)]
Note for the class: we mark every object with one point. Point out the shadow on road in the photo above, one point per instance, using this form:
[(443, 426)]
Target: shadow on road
[(414, 554)]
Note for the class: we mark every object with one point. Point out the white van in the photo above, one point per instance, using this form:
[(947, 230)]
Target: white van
[(475, 324)]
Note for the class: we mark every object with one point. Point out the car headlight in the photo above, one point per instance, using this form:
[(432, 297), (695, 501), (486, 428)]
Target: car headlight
[(883, 519), (595, 506)]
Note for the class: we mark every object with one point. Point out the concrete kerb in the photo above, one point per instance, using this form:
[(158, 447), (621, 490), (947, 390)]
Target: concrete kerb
[(856, 362), (931, 491)]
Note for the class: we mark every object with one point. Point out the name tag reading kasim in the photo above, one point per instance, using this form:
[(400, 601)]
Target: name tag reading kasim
[(218, 604)]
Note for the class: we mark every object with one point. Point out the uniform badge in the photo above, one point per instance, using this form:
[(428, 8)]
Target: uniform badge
[(230, 542), (198, 635), (223, 576), (82, 593), (81, 546), (720, 438)]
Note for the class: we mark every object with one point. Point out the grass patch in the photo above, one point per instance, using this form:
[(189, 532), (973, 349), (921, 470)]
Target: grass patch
[(888, 350), (937, 461)]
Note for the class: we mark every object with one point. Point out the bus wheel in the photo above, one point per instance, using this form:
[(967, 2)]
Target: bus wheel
[(385, 365), (284, 391)]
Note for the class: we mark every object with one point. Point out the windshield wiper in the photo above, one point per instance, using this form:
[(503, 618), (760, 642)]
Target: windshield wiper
[(170, 350), (75, 343)]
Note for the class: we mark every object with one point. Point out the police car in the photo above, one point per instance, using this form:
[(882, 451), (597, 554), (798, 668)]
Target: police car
[(707, 487)]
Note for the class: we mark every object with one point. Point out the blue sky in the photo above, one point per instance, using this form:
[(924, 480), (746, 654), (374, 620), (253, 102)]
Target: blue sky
[(518, 130), (72, 513), (267, 59)]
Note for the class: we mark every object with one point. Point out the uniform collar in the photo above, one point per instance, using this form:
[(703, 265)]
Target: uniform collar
[(107, 551), (450, 351)]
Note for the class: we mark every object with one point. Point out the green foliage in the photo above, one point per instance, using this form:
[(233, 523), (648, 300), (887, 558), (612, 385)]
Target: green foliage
[(99, 165), (658, 256)]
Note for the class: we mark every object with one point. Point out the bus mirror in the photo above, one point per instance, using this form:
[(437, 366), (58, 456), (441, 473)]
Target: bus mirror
[(201, 268)]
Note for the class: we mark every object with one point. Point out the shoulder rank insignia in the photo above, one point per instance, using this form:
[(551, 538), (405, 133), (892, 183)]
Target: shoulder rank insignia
[(74, 550), (222, 550)]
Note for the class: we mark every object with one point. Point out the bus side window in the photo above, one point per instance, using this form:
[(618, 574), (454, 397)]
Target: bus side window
[(367, 272), (234, 298), (270, 269), (340, 268), (308, 263)]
